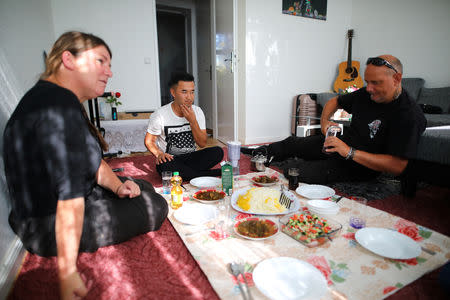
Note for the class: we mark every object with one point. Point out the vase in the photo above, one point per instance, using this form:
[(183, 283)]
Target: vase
[(114, 113)]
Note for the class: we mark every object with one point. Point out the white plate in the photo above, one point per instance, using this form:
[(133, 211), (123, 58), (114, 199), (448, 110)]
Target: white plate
[(322, 214), (196, 213), (388, 243), (206, 182), (322, 205), (289, 278), (315, 191), (295, 205)]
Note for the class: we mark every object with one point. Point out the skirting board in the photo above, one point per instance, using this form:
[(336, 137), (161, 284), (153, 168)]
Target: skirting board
[(10, 266), (262, 140)]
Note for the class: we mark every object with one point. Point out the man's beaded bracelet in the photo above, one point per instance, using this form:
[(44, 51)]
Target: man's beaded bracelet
[(350, 153)]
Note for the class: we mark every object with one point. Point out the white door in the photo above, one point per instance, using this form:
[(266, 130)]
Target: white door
[(226, 70), (204, 70)]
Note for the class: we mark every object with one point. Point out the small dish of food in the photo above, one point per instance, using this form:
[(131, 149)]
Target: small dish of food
[(255, 228), (264, 180), (308, 229), (209, 196)]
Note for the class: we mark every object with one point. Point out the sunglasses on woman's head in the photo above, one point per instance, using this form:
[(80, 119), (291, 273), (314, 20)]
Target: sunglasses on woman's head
[(378, 61)]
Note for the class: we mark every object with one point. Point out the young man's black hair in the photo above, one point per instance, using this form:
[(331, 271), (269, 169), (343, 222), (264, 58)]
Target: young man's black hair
[(179, 76)]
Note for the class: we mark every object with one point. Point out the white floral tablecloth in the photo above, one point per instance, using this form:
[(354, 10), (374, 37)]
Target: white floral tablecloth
[(125, 135), (352, 271)]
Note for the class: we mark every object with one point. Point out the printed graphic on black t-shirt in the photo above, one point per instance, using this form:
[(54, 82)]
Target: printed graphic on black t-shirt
[(373, 128), (179, 139)]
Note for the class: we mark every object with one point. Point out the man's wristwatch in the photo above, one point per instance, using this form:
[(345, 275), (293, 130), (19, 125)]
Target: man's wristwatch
[(350, 153)]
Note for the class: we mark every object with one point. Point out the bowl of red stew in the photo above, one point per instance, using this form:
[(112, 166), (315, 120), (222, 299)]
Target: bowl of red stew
[(264, 180), (254, 228), (209, 196)]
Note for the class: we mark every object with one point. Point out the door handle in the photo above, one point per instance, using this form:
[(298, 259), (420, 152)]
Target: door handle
[(231, 59)]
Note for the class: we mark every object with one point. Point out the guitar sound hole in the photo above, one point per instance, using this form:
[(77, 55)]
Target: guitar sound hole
[(349, 70)]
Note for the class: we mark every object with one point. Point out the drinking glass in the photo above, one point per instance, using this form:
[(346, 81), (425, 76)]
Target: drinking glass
[(358, 213), (166, 177), (331, 131), (293, 174)]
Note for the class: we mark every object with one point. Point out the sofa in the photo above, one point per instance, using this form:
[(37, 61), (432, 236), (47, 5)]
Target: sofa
[(433, 155)]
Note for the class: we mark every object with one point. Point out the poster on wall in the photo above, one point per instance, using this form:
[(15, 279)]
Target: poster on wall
[(316, 9)]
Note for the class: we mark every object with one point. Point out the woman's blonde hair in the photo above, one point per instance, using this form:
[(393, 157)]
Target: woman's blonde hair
[(75, 42)]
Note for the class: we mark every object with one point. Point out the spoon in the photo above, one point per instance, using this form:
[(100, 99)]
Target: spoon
[(234, 269)]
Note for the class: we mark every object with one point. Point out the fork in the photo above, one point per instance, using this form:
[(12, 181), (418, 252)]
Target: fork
[(241, 268), (234, 269), (284, 200)]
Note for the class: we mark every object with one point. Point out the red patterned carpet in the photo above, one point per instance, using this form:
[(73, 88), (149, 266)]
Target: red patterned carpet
[(157, 265)]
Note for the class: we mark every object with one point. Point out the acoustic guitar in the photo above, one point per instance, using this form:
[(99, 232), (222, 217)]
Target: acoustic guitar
[(348, 70)]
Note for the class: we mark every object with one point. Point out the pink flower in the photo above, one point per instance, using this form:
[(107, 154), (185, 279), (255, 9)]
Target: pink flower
[(241, 216), (248, 277), (349, 236), (322, 265), (410, 262), (388, 289), (218, 236), (409, 229)]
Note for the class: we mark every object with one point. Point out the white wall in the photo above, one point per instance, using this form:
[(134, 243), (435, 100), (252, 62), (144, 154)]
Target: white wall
[(129, 28), (416, 31), (285, 56), (288, 55), (26, 31)]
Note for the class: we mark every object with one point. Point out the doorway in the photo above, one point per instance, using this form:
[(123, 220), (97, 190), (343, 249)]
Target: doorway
[(186, 28), (174, 45)]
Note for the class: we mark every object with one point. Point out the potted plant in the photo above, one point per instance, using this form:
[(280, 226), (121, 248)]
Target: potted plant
[(114, 102)]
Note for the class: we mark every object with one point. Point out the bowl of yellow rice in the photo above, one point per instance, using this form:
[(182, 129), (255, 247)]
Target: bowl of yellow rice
[(258, 200)]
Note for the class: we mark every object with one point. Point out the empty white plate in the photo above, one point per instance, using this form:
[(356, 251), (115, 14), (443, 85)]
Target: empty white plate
[(196, 213), (388, 243), (315, 191), (206, 182), (322, 205), (322, 213), (289, 278)]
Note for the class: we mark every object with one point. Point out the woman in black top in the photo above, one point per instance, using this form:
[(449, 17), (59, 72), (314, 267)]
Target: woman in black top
[(65, 198)]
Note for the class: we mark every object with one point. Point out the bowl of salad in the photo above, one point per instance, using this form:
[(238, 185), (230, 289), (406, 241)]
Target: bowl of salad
[(309, 229)]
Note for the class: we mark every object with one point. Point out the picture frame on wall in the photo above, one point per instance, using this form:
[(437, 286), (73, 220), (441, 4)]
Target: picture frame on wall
[(315, 9)]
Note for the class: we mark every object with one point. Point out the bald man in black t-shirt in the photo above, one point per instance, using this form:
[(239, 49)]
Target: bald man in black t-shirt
[(383, 135)]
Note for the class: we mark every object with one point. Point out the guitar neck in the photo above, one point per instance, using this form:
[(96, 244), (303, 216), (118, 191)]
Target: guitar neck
[(349, 56)]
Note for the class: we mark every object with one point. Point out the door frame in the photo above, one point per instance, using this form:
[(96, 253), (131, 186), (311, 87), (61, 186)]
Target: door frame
[(192, 61), (235, 68), (213, 66)]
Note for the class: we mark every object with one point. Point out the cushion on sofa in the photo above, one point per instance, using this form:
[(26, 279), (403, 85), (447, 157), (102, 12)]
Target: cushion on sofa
[(436, 96), (437, 120), (413, 86), (434, 145)]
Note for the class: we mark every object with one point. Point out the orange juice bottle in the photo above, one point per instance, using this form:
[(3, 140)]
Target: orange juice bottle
[(176, 192)]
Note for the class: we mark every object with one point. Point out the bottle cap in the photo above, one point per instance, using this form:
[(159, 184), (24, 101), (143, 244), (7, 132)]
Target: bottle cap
[(176, 173)]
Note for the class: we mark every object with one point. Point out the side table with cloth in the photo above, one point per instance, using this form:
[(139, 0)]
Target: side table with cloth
[(125, 135)]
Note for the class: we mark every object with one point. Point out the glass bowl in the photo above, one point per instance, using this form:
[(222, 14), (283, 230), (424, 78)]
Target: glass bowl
[(306, 237)]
